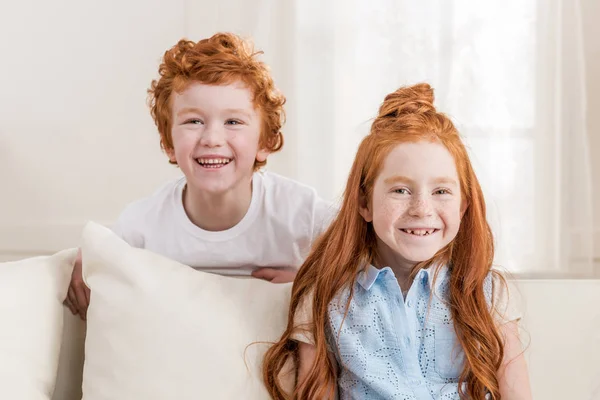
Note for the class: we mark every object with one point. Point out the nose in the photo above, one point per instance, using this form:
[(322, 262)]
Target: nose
[(420, 206), (212, 136)]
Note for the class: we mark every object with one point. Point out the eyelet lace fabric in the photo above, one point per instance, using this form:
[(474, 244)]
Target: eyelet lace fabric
[(389, 347)]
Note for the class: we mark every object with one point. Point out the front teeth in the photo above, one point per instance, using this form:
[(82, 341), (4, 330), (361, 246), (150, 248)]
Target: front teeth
[(419, 232), (213, 161)]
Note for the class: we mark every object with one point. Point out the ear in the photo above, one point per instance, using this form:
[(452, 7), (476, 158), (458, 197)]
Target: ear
[(364, 208), (261, 155), (171, 154)]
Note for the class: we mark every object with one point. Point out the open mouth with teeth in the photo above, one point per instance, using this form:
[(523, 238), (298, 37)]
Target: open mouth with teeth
[(420, 231), (213, 163)]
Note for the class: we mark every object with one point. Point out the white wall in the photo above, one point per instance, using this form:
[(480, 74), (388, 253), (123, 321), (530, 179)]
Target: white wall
[(264, 24), (297, 39), (76, 139)]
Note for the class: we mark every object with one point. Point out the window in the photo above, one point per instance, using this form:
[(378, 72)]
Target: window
[(506, 74)]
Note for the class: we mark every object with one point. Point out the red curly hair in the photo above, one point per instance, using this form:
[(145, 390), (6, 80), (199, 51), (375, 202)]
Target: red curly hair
[(221, 59), (407, 115)]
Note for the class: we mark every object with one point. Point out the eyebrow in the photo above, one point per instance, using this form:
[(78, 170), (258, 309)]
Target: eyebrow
[(229, 110), (403, 179), (397, 179), (238, 111), (188, 110)]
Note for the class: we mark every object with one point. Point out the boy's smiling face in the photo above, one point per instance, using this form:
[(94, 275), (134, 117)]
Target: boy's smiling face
[(216, 132)]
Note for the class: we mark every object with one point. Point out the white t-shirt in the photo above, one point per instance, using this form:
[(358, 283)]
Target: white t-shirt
[(283, 220)]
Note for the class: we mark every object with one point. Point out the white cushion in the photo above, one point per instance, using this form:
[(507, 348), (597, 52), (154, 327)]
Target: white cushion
[(31, 324), (157, 329)]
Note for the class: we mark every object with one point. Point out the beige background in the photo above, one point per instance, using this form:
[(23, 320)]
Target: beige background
[(76, 139)]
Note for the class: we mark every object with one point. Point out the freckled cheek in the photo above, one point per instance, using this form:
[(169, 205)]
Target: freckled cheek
[(390, 213)]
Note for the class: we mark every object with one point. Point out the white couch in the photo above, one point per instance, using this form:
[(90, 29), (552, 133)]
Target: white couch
[(562, 325), (561, 328), (151, 330)]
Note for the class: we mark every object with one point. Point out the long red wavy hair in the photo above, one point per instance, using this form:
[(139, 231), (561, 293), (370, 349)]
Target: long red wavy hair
[(407, 115)]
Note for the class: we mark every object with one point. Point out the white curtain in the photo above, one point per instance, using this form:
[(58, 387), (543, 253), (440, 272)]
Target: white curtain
[(510, 73)]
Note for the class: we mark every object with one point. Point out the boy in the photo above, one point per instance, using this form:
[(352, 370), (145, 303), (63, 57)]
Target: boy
[(219, 116)]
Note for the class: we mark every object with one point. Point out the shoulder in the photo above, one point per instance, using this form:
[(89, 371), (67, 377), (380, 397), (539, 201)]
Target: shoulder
[(161, 198), (137, 216), (281, 187), (291, 196), (503, 295)]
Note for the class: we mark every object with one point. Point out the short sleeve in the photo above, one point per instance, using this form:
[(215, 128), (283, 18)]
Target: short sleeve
[(507, 301), (128, 227)]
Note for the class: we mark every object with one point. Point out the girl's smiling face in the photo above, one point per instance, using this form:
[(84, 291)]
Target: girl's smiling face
[(416, 206)]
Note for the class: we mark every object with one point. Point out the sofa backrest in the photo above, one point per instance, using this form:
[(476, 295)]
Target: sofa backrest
[(561, 332), (561, 324)]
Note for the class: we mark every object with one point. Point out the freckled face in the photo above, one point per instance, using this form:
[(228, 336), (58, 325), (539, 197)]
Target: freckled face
[(416, 207)]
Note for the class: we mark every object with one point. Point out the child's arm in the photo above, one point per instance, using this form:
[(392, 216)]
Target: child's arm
[(275, 275), (306, 358), (78, 296), (513, 375)]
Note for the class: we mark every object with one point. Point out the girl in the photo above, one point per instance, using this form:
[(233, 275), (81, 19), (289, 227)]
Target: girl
[(398, 299)]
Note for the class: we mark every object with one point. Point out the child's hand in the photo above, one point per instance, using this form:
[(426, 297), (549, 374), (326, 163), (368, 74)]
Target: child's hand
[(78, 297), (275, 275)]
